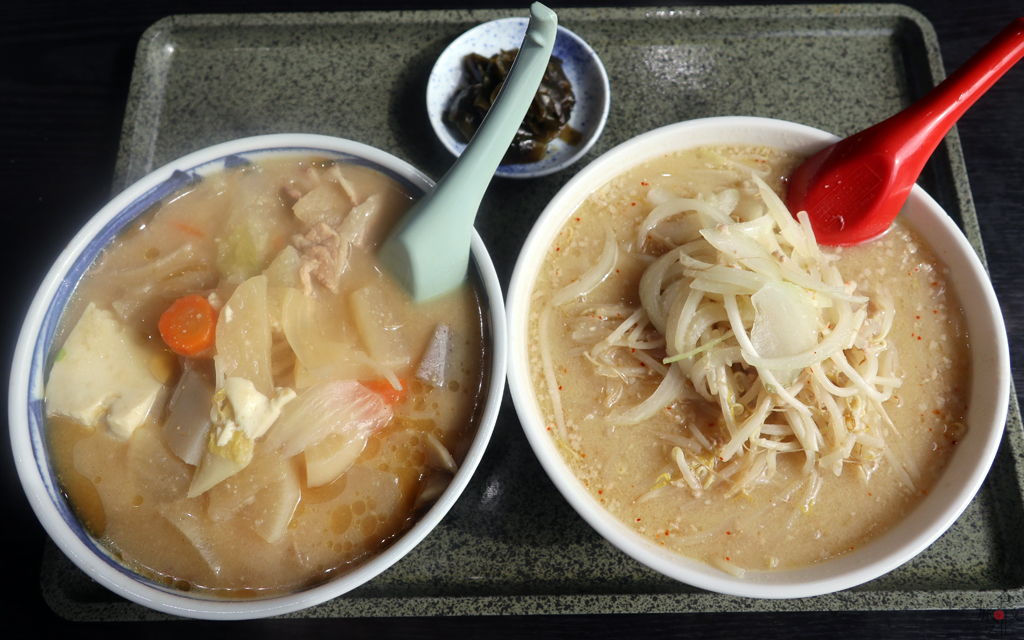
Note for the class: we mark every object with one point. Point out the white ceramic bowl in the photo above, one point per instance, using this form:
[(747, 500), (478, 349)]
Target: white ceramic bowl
[(27, 382), (987, 404), (582, 68)]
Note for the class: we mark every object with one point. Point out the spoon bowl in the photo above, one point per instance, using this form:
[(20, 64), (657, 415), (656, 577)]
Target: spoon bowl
[(852, 190)]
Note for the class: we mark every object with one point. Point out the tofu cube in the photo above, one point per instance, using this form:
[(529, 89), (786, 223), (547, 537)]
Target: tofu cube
[(102, 375)]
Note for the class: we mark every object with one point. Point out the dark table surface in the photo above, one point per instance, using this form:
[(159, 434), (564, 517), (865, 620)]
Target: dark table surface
[(65, 68)]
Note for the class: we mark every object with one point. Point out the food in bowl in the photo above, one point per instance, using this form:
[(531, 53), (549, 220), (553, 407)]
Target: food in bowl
[(966, 468), (546, 119), (240, 403), (730, 389), (583, 71)]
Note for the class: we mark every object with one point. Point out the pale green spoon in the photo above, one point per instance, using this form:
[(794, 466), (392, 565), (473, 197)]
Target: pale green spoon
[(428, 251)]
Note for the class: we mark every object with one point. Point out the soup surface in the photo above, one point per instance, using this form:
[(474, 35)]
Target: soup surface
[(744, 451), (243, 403)]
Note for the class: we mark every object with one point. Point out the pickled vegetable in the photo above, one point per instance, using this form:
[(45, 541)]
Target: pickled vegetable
[(547, 118)]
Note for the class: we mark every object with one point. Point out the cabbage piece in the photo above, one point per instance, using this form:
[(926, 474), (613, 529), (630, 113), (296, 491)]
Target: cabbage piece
[(243, 336), (241, 414), (344, 409), (257, 223), (379, 329), (785, 324)]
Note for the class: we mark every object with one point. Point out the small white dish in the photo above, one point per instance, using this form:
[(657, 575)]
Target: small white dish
[(961, 479), (582, 67), (26, 406)]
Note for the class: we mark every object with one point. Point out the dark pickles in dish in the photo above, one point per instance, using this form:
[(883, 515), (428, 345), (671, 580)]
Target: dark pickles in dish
[(547, 118)]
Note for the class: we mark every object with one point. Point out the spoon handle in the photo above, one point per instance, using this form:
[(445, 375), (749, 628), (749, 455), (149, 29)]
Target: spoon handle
[(469, 176), (926, 123), (429, 250)]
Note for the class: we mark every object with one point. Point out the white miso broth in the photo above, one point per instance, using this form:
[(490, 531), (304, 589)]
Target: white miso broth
[(290, 425), (673, 331)]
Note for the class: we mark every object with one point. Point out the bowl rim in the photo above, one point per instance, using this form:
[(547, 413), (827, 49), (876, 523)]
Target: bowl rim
[(959, 482), (30, 452), (443, 65)]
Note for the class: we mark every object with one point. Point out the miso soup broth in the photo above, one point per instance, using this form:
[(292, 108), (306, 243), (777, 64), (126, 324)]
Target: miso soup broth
[(241, 403), (730, 390)]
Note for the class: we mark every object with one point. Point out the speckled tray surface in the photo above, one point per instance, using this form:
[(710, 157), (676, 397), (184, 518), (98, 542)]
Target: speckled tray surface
[(512, 545)]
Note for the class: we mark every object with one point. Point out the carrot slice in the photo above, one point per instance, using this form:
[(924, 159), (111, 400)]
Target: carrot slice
[(189, 325), (383, 388)]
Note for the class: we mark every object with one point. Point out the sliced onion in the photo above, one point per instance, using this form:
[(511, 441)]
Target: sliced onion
[(595, 275), (666, 393)]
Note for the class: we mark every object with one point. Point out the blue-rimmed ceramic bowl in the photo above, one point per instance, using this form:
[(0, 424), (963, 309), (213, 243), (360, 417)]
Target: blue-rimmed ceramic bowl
[(582, 68), (33, 352)]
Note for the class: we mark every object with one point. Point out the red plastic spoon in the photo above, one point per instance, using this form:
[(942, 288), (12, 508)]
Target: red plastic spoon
[(853, 189)]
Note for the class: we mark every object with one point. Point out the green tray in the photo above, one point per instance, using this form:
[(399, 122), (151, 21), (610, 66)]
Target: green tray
[(512, 545)]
